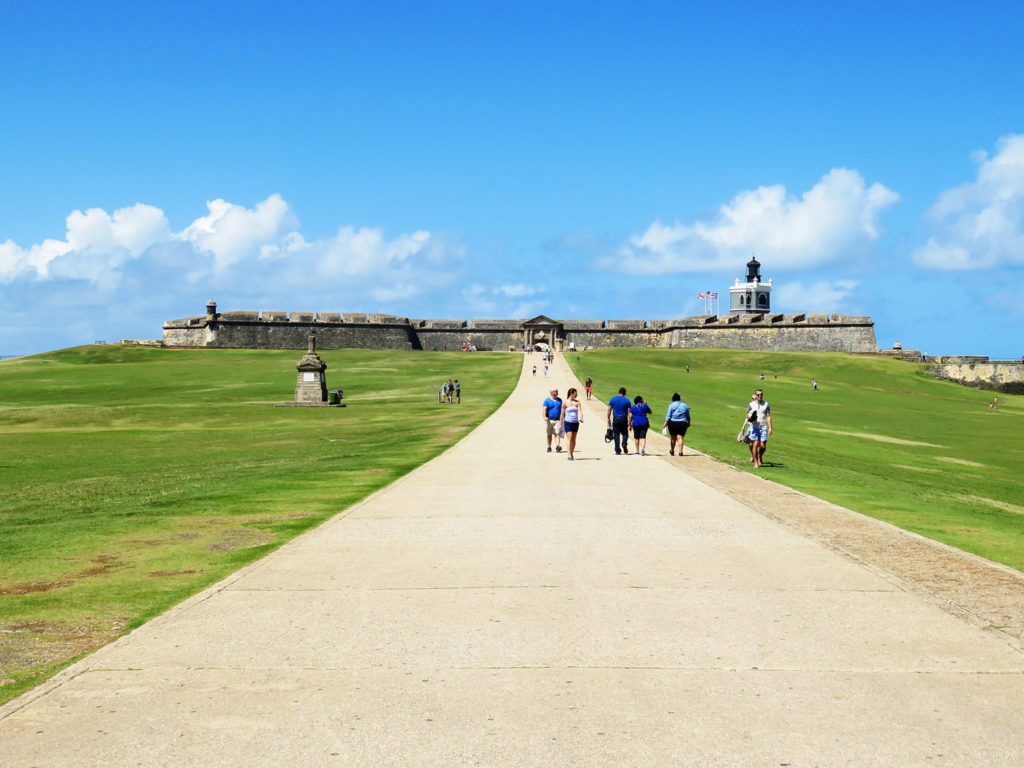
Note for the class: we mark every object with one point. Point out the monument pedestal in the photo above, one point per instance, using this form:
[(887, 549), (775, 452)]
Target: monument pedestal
[(311, 387)]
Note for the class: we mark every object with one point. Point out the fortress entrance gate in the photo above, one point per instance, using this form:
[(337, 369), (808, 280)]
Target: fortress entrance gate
[(544, 330)]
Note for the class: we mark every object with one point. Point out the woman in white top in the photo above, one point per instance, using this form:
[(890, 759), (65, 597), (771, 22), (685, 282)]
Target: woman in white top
[(572, 417)]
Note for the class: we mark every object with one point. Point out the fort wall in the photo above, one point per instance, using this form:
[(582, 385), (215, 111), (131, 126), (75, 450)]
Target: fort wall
[(232, 331), (995, 376), (334, 330)]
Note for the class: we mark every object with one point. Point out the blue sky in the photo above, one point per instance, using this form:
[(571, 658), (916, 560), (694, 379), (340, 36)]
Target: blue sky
[(581, 160)]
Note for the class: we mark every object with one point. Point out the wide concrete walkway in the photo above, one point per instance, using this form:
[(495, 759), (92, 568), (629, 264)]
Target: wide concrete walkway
[(502, 606)]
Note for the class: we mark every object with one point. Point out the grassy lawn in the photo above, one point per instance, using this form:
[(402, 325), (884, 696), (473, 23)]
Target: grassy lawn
[(880, 436), (134, 477)]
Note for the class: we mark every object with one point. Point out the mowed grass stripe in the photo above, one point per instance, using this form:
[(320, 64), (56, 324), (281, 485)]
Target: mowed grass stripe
[(134, 477), (880, 436)]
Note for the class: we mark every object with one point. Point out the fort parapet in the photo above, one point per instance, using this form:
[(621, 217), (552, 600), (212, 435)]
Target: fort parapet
[(980, 372), (338, 330)]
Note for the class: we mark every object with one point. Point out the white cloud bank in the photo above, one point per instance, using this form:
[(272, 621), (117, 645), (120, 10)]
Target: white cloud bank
[(836, 217), (102, 241), (821, 296), (256, 250), (980, 224), (527, 301)]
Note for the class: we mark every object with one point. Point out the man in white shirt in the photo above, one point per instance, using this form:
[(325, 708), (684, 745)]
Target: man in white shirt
[(759, 424)]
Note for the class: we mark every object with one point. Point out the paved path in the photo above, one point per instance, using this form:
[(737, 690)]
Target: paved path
[(502, 606)]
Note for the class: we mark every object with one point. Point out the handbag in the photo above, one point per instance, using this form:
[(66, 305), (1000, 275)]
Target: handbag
[(609, 435)]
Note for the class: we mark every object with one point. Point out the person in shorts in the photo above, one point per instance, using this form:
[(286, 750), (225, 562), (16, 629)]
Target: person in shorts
[(677, 421), (572, 417), (640, 423), (552, 412), (759, 427), (589, 386)]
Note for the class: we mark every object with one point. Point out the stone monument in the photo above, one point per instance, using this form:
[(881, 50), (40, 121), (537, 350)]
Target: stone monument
[(311, 388)]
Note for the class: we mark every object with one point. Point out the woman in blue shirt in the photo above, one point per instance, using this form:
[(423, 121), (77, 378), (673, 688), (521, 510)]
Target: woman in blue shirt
[(639, 423), (678, 421)]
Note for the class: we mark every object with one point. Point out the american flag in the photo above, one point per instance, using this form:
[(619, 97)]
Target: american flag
[(713, 295), (702, 295)]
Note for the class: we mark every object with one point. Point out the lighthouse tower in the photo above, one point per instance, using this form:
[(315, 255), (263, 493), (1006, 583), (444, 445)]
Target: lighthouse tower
[(753, 296)]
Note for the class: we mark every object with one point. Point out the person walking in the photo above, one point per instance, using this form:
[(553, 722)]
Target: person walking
[(552, 414), (545, 369), (759, 419), (746, 433), (589, 386), (458, 392), (677, 421), (618, 420), (535, 370), (814, 384), (572, 417), (640, 423)]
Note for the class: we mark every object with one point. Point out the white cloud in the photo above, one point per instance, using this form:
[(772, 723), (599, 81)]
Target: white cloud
[(361, 251), (519, 290), (837, 216), (254, 251), (131, 230), (478, 301), (822, 296), (980, 224), (95, 242), (233, 232), (528, 309), (16, 261)]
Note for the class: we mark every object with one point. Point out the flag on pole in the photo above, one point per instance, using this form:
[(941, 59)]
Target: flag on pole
[(702, 295), (713, 295)]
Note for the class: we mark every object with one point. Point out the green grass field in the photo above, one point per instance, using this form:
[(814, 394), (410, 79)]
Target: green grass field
[(134, 477), (880, 436)]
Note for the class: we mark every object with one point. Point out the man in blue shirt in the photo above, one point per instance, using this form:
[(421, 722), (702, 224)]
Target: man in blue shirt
[(552, 413), (618, 420)]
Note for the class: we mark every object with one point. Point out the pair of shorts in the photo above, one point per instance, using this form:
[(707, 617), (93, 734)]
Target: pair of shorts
[(640, 431), (758, 433), (552, 426), (572, 426), (678, 428)]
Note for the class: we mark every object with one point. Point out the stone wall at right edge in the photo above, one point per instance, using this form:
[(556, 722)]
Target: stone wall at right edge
[(995, 377), (789, 338)]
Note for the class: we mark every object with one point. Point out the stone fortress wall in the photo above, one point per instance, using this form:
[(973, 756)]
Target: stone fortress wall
[(291, 330), (980, 372)]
